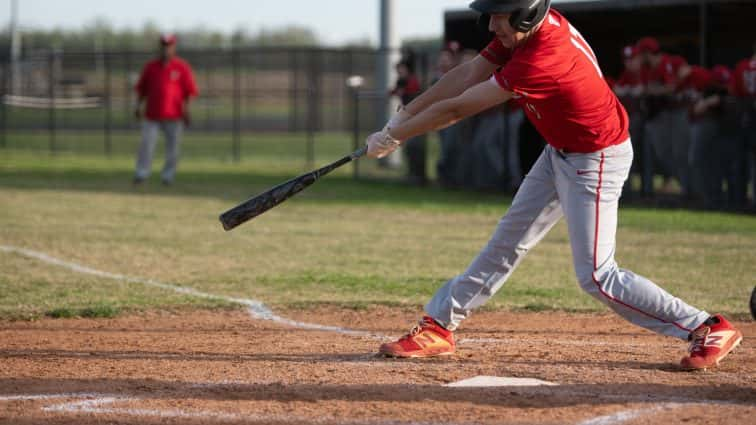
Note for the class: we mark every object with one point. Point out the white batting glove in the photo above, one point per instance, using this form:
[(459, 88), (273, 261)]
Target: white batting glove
[(399, 117), (381, 144)]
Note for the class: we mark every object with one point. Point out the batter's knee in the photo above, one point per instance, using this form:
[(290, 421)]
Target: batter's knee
[(587, 281), (597, 282)]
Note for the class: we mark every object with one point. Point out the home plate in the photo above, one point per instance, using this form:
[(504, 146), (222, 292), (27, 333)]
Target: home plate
[(498, 381)]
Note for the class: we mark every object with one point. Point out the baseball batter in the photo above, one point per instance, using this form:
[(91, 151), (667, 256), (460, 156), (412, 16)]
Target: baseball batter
[(540, 61)]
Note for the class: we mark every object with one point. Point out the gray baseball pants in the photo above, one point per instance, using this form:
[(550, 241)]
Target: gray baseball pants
[(172, 131), (585, 189)]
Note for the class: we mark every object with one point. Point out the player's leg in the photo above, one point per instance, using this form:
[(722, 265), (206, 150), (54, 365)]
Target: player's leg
[(146, 150), (535, 209), (589, 186), (173, 131)]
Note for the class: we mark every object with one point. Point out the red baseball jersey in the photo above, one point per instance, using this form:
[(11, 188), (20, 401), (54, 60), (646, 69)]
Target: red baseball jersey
[(556, 78), (698, 80), (664, 72), (166, 87), (744, 79), (630, 79)]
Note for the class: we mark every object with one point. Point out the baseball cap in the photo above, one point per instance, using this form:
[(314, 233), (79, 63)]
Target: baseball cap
[(648, 45), (167, 39)]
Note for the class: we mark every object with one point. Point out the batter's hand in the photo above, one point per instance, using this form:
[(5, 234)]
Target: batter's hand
[(401, 116), (381, 144)]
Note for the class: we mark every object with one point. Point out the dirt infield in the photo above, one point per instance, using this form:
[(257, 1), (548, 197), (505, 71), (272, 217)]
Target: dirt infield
[(226, 367)]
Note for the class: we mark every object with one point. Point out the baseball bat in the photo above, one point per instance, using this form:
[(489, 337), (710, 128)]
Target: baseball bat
[(257, 205)]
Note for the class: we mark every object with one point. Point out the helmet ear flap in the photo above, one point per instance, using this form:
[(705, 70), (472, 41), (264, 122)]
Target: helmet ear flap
[(523, 23), (484, 21)]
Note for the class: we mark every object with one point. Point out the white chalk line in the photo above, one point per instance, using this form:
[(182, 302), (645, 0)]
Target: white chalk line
[(95, 403), (628, 415), (256, 308), (669, 403)]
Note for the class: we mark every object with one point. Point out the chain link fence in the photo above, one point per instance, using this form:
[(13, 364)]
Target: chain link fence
[(253, 102)]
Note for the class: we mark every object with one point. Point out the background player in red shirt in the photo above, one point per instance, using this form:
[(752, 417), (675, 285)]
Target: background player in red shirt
[(167, 84), (744, 88), (630, 88), (406, 89), (540, 61)]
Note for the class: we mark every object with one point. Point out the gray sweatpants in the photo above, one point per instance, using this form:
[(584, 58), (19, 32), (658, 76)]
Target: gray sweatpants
[(584, 188), (172, 131)]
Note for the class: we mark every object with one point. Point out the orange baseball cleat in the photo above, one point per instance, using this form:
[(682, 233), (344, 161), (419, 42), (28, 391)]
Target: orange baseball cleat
[(426, 339), (710, 343)]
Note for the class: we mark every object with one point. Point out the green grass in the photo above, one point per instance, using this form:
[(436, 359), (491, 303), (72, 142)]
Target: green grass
[(342, 242)]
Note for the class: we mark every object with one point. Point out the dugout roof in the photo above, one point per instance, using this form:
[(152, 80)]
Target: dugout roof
[(706, 32)]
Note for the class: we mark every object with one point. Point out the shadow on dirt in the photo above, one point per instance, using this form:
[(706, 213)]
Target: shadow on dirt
[(517, 397)]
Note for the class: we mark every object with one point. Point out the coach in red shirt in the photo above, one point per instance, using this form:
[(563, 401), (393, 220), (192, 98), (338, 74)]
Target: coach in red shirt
[(167, 84)]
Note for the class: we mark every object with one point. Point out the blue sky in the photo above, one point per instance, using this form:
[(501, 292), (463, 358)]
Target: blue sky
[(335, 21)]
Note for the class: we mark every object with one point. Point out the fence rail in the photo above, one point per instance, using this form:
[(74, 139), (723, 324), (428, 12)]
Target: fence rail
[(242, 91)]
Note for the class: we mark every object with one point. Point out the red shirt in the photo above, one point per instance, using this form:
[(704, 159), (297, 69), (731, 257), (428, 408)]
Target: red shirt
[(407, 89), (664, 73), (630, 79), (556, 78), (166, 87), (744, 79), (698, 80)]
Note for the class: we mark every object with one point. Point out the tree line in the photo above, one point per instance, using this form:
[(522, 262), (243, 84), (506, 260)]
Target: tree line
[(100, 34)]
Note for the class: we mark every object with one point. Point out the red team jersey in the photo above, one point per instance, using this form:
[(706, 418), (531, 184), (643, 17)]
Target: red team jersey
[(556, 78), (665, 72), (698, 80), (166, 87), (744, 79)]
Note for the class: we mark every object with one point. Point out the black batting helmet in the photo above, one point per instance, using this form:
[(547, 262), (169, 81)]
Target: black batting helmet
[(526, 14)]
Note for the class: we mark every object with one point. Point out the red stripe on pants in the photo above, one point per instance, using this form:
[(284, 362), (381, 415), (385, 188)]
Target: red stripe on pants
[(595, 255)]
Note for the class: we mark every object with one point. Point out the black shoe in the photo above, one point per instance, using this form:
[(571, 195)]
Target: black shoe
[(137, 181), (167, 182)]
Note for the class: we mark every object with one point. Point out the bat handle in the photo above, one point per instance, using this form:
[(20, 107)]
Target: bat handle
[(359, 153)]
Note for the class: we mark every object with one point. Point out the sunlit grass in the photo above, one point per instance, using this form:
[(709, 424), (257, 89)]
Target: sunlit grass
[(341, 242)]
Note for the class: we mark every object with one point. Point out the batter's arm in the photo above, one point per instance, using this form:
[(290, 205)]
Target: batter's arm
[(444, 113), (453, 84)]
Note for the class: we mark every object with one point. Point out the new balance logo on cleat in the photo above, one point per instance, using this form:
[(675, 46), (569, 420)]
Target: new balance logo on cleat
[(710, 343), (717, 339)]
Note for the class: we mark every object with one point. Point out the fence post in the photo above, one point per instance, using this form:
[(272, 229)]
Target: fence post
[(108, 111), (348, 72), (127, 98), (355, 128), (312, 99), (208, 92), (51, 109), (3, 113), (294, 92), (236, 59)]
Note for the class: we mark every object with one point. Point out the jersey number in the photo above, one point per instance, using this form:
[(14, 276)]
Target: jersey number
[(579, 42)]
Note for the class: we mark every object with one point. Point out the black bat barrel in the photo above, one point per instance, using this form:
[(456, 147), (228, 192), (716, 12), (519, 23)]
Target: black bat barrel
[(263, 202)]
